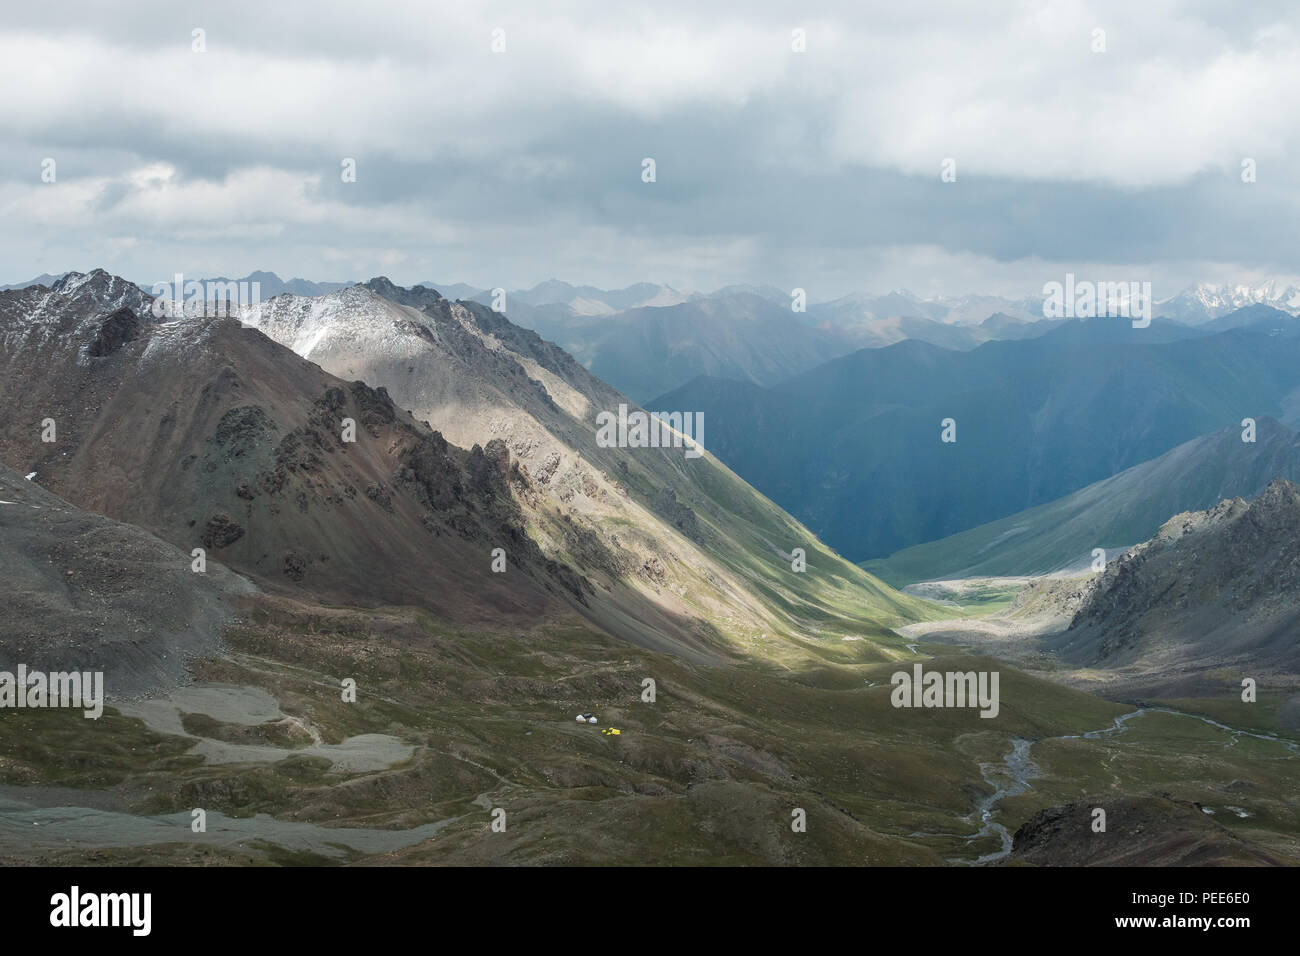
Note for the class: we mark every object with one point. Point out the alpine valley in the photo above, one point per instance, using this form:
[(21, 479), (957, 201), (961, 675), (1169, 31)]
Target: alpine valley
[(351, 557)]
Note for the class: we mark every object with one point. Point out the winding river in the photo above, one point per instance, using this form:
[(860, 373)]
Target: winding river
[(1011, 777)]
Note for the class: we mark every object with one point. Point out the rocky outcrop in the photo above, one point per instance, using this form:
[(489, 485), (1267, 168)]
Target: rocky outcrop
[(1212, 587), (1139, 831), (115, 331)]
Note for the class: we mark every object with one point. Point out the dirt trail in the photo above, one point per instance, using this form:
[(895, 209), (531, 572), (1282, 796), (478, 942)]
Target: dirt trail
[(250, 706)]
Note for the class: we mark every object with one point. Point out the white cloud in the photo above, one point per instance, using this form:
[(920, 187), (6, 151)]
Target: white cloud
[(245, 140)]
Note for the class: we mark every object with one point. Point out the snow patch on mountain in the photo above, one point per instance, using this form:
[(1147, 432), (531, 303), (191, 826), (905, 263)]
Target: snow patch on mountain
[(354, 315)]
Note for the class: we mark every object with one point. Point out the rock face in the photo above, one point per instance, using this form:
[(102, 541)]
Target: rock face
[(1212, 588), (1142, 831), (221, 531), (119, 328)]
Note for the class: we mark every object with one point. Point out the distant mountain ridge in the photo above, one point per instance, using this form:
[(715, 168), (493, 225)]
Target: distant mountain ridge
[(1193, 305), (269, 284), (1204, 301), (648, 339), (853, 448), (742, 336), (44, 279), (1258, 315)]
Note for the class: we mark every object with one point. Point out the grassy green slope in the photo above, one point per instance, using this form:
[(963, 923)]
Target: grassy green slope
[(1114, 513), (708, 773)]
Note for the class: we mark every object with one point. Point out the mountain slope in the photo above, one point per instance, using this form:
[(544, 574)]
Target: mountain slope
[(669, 542), (1113, 513), (85, 593), (646, 352), (1212, 589), (211, 435), (1263, 316), (1151, 830), (860, 458)]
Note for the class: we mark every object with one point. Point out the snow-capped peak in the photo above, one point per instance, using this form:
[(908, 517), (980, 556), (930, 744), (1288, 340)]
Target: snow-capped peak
[(1209, 300)]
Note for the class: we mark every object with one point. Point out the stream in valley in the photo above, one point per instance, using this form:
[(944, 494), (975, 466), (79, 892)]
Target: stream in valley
[(1012, 776)]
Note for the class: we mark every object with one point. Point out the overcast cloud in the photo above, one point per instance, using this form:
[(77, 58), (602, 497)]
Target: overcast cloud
[(818, 169)]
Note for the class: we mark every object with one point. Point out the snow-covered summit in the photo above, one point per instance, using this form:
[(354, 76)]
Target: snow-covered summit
[(1208, 300)]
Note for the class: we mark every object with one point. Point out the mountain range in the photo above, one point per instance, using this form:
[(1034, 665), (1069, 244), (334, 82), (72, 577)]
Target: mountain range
[(234, 444), (688, 535), (1204, 301), (649, 338)]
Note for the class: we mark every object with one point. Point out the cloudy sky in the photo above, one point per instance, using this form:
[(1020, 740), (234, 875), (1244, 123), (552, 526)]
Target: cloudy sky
[(818, 169)]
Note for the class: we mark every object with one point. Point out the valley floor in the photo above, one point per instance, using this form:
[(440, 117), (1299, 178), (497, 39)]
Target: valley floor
[(1171, 709), (452, 731)]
